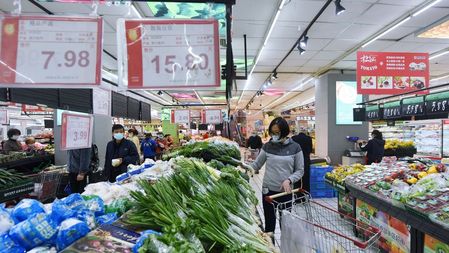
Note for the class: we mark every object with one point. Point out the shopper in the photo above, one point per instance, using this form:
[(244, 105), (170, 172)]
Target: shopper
[(254, 141), (79, 167), (133, 135), (375, 148), (284, 166), (148, 147), (119, 154), (161, 144), (169, 141), (305, 141), (12, 144)]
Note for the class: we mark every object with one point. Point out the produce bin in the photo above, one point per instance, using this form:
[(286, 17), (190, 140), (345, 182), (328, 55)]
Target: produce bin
[(20, 190)]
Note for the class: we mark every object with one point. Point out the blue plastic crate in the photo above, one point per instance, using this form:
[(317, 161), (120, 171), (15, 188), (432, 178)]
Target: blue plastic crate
[(320, 186), (317, 178), (319, 171), (317, 194)]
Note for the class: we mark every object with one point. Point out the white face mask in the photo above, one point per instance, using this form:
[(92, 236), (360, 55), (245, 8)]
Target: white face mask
[(275, 138), (15, 137)]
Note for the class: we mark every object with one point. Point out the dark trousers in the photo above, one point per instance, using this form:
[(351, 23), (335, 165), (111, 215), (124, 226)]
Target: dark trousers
[(75, 185), (269, 209), (115, 172)]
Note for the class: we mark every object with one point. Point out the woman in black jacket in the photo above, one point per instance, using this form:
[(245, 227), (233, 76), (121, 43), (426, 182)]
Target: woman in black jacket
[(375, 148)]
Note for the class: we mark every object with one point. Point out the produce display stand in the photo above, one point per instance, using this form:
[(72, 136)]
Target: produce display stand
[(21, 189), (27, 164)]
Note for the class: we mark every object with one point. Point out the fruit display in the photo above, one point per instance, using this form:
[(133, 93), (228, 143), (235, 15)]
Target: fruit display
[(395, 144), (339, 173), (398, 148)]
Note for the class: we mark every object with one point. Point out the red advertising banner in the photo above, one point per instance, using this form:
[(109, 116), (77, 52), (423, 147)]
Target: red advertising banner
[(392, 73), (58, 51)]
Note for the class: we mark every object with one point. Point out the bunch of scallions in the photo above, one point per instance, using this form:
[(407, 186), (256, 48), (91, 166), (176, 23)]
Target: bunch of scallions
[(198, 209)]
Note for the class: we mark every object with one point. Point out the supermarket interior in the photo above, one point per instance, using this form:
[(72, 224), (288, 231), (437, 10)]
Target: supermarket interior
[(196, 126)]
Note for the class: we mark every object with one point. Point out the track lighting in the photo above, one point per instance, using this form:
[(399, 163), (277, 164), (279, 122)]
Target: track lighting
[(269, 83), (159, 93), (301, 50), (339, 9), (303, 42), (173, 100), (275, 75)]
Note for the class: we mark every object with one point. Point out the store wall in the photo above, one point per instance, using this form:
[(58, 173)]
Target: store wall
[(330, 137)]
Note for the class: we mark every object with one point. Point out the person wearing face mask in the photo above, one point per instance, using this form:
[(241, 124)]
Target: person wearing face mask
[(120, 153), (375, 148), (284, 166), (305, 141), (133, 135), (12, 144)]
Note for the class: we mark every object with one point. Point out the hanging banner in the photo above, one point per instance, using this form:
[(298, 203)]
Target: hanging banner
[(392, 73), (48, 50), (413, 106), (76, 131), (4, 117), (392, 110), (169, 54), (437, 103), (101, 101), (180, 116), (212, 117)]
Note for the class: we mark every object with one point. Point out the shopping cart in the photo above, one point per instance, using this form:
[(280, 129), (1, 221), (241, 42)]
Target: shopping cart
[(46, 183), (251, 155), (307, 226)]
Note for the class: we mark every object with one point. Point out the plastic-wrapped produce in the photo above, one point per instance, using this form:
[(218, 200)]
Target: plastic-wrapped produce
[(43, 249), (87, 216), (60, 211), (7, 245), (144, 235), (106, 219), (95, 204), (70, 231), (6, 222), (26, 208), (35, 231)]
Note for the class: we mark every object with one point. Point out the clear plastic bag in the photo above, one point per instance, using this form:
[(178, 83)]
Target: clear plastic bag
[(26, 208), (106, 219), (297, 235), (6, 222)]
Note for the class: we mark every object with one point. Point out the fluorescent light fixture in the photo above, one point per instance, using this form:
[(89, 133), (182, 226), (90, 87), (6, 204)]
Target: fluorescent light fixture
[(387, 31), (426, 8), (439, 78), (438, 55), (135, 11)]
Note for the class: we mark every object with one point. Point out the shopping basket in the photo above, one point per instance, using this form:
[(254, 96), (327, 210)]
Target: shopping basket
[(308, 226), (46, 183), (251, 155)]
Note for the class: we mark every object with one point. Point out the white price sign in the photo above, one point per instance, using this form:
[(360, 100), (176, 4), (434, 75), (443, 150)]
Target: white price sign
[(76, 131), (181, 116), (213, 116), (170, 53), (101, 101), (46, 50), (4, 117)]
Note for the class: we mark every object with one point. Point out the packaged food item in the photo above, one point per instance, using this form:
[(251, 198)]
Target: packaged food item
[(87, 216), (96, 205), (43, 249), (106, 219), (34, 231), (70, 231), (75, 201), (7, 245), (6, 222), (144, 235), (60, 211), (27, 207)]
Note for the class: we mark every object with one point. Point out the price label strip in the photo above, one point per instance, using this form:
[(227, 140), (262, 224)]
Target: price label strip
[(50, 50), (413, 106), (76, 131), (437, 103), (392, 110), (170, 54), (373, 113), (213, 116)]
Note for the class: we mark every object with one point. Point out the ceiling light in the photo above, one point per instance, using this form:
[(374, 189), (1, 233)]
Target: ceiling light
[(339, 9), (173, 100), (260, 104), (303, 42), (159, 93), (301, 50), (438, 55), (425, 8), (275, 75), (269, 83), (265, 86), (440, 31), (387, 31)]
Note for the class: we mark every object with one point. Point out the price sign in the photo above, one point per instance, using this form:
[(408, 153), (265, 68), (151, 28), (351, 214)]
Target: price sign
[(212, 117), (76, 131), (413, 106), (373, 113), (50, 50), (181, 116), (4, 117), (437, 103), (101, 101), (392, 110), (170, 53)]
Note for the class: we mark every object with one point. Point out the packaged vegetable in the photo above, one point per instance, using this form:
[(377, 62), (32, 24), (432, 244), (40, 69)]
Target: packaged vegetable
[(74, 201), (7, 245), (43, 249), (96, 205), (141, 241), (87, 216), (70, 231), (106, 219), (27, 207), (35, 231), (6, 222), (119, 206), (60, 211)]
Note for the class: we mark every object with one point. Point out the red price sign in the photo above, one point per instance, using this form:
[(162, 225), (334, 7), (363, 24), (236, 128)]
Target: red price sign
[(391, 73), (4, 117), (180, 116), (212, 117), (50, 50), (76, 131), (170, 53)]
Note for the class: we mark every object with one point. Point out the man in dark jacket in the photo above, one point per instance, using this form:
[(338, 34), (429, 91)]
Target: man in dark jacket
[(375, 148), (254, 141), (120, 153), (79, 167), (305, 142)]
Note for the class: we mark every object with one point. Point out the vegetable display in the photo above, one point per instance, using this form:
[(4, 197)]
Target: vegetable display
[(8, 179), (198, 209)]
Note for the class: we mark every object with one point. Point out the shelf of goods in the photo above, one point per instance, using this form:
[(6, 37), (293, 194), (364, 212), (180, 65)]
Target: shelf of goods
[(408, 200), (180, 205)]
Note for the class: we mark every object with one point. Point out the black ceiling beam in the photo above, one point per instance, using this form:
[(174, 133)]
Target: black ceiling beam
[(133, 92)]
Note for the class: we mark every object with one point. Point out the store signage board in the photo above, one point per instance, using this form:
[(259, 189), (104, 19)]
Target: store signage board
[(169, 54), (4, 117), (392, 73), (392, 110), (195, 114), (101, 101), (180, 116), (213, 117), (373, 113), (437, 103), (413, 106), (49, 51), (76, 131)]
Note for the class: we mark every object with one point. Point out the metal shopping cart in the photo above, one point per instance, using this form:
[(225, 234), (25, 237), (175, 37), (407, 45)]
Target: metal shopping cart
[(307, 226), (46, 183)]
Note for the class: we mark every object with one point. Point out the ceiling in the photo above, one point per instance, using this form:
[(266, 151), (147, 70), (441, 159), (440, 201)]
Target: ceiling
[(333, 41)]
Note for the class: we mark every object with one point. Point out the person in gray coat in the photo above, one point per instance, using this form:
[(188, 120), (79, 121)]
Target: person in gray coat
[(284, 166)]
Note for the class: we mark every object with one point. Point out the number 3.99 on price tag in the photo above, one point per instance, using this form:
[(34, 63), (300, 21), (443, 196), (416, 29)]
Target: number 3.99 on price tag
[(76, 131)]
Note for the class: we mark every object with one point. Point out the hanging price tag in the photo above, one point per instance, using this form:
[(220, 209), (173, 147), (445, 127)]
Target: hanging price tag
[(373, 113), (76, 131), (50, 50), (181, 116), (413, 106), (392, 110), (101, 101), (169, 53), (4, 117), (437, 103), (213, 117)]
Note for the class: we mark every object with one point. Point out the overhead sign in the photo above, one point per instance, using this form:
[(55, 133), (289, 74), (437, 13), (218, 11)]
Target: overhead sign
[(180, 116), (169, 53), (391, 73), (437, 103), (392, 110), (76, 131), (212, 117), (4, 117), (373, 113), (101, 101), (413, 106), (43, 50)]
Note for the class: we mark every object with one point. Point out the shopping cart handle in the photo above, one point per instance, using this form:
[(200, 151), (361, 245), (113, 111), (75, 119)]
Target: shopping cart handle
[(270, 198)]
